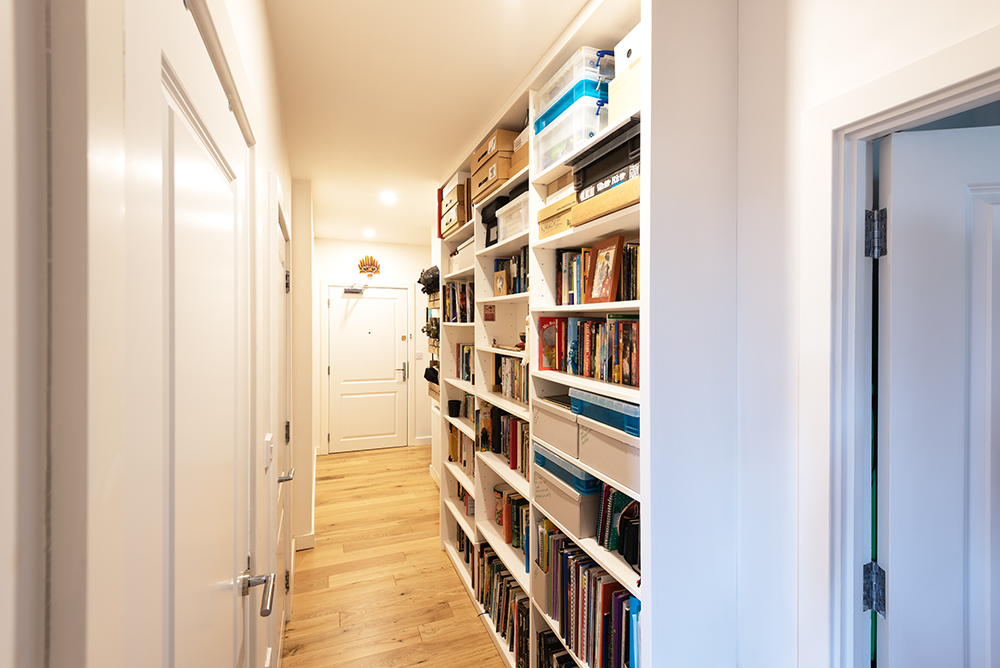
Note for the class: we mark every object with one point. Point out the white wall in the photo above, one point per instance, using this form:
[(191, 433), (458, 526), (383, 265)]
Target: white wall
[(794, 55), (337, 262), (304, 363), (23, 285)]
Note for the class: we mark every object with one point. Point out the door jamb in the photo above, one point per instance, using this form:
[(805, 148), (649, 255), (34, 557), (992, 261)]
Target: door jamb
[(832, 156), (411, 403)]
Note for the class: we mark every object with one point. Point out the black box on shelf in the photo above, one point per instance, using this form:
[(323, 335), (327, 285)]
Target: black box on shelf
[(489, 216), (613, 157)]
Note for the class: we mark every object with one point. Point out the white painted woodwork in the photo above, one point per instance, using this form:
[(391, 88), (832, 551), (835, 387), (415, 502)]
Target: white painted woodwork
[(368, 347), (937, 369)]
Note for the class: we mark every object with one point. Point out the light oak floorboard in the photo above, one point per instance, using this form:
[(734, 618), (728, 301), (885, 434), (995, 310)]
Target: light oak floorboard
[(376, 591)]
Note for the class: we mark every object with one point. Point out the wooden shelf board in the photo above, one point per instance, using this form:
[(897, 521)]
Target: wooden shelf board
[(459, 273), (607, 307), (517, 297), (624, 221), (515, 408), (464, 424), (512, 477), (612, 562), (467, 524), (507, 246), (620, 392), (553, 172), (511, 557), (461, 476), (463, 385), (458, 324), (501, 351)]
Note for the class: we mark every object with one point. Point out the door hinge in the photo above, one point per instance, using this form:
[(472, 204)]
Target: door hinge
[(288, 580), (874, 588), (328, 370), (288, 431), (288, 282), (876, 242), (328, 438)]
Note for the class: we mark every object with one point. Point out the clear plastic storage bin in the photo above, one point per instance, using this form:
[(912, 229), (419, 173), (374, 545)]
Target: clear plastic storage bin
[(618, 414), (584, 64), (584, 119), (513, 218)]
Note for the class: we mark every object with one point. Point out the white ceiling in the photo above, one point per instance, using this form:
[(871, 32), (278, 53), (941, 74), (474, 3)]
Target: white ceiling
[(388, 94)]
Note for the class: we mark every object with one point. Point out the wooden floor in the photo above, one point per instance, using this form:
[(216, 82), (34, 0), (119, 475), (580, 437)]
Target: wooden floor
[(376, 590)]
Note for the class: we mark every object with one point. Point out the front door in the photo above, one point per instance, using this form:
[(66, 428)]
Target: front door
[(938, 411), (368, 374)]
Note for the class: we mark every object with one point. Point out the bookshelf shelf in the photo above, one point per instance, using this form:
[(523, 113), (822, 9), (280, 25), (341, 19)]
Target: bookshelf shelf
[(464, 424), (554, 626), (459, 235), (458, 324), (620, 392), (464, 272), (549, 175), (500, 467), (511, 557), (518, 297), (515, 408), (458, 561), (501, 643), (606, 307), (612, 562), (467, 526), (463, 385), (505, 247), (501, 351), (624, 222), (461, 476)]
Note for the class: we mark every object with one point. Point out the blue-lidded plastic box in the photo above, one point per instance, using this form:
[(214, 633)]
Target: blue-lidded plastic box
[(569, 473), (618, 414), (592, 88), (585, 63)]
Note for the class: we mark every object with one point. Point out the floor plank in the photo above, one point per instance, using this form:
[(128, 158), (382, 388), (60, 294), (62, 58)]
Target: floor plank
[(376, 591)]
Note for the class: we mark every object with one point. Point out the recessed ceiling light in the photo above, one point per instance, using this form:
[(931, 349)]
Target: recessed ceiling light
[(369, 232), (388, 197)]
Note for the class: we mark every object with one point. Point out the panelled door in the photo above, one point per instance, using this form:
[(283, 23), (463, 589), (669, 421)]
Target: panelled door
[(938, 519), (368, 373)]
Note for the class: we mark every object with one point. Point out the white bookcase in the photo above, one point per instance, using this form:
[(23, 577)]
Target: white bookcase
[(519, 313)]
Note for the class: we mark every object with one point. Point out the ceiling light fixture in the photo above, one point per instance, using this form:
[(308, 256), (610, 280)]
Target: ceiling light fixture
[(388, 197), (369, 232)]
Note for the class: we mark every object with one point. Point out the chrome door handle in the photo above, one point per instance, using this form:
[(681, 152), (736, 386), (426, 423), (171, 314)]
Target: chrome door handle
[(287, 478), (404, 371), (267, 598)]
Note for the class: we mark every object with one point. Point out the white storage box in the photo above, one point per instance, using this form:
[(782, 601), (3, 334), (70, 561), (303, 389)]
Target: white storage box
[(556, 426), (583, 64), (569, 132), (576, 512), (513, 218), (610, 451), (462, 257)]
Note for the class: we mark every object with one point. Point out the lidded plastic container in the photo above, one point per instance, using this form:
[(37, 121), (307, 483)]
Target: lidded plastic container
[(585, 74), (569, 473), (618, 414), (584, 119)]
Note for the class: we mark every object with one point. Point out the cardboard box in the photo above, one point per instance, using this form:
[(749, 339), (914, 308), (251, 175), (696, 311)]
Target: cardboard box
[(607, 202), (625, 92), (556, 426), (454, 197), (609, 450), (501, 141), (628, 51), (494, 173), (455, 215), (557, 208), (519, 160), (556, 224), (576, 512), (522, 139)]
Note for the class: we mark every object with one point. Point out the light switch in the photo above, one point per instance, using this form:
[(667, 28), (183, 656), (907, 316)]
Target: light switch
[(419, 354), (268, 450)]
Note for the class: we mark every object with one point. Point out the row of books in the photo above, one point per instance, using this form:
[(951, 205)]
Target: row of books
[(465, 365), (615, 269), (595, 614), (506, 435), (464, 545), (458, 302), (510, 377), (551, 652), (601, 348), (466, 501), (512, 515), (505, 602), (618, 524), (461, 450), (510, 275)]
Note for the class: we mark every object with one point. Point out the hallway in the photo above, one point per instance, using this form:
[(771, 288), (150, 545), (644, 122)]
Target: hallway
[(376, 590)]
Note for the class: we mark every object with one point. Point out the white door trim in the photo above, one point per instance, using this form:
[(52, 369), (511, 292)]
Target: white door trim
[(411, 406), (832, 276)]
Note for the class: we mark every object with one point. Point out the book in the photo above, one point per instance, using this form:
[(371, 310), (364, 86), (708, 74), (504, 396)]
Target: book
[(548, 343)]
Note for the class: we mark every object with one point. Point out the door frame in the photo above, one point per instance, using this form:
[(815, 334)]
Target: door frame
[(833, 410), (411, 405)]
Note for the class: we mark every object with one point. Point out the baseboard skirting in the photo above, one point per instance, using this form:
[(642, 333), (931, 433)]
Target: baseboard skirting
[(434, 475), (305, 542)]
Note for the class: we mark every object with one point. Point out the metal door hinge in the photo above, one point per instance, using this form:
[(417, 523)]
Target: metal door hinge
[(328, 438), (288, 580), (874, 588), (328, 370), (876, 242), (288, 431), (288, 282)]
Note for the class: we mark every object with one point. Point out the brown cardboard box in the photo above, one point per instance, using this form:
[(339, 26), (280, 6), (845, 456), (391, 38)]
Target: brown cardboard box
[(456, 196), (560, 206), (560, 183), (501, 141), (455, 215), (607, 202), (560, 222), (519, 160), (494, 173)]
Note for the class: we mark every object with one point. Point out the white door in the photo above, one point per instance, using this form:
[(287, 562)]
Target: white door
[(368, 353), (939, 392), (205, 163)]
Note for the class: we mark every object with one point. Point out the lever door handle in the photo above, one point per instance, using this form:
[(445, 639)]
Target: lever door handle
[(287, 478), (403, 369), (267, 597)]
